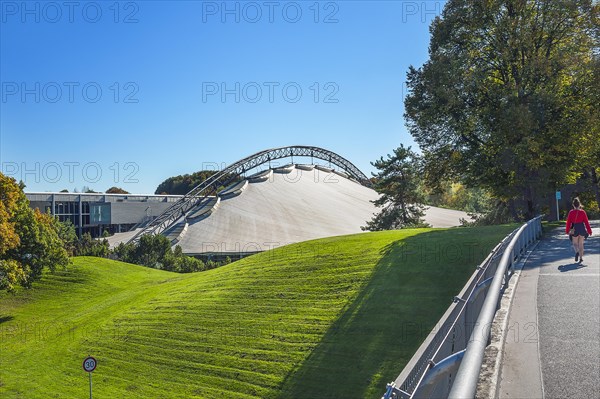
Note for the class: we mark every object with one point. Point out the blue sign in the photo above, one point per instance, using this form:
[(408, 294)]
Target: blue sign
[(558, 195)]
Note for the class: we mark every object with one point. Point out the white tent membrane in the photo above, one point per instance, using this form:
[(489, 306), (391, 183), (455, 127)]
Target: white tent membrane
[(288, 207), (294, 204)]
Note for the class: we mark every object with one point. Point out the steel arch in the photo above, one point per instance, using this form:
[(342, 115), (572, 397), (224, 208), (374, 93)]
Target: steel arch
[(236, 169)]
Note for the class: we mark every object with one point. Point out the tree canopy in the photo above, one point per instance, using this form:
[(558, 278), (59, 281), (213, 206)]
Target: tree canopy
[(116, 190), (398, 183), (183, 184), (29, 240), (507, 96)]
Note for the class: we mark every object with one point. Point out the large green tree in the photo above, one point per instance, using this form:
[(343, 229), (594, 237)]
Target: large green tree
[(587, 158), (505, 95), (397, 181), (29, 240)]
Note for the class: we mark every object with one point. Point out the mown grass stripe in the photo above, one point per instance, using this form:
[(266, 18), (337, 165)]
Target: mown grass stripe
[(336, 317)]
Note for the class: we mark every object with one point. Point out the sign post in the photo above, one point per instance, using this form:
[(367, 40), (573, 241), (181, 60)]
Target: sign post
[(558, 196), (89, 365)]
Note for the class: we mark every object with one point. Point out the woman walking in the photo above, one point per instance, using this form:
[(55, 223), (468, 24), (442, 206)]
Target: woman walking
[(578, 228)]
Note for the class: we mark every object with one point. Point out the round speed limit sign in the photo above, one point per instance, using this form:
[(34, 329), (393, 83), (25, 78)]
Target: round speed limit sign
[(89, 364)]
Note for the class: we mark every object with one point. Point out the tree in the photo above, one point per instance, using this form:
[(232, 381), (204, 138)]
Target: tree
[(587, 153), (66, 232), (183, 184), (10, 196), (458, 196), (504, 95), (43, 249), (151, 251), (398, 183), (11, 271), (116, 190), (124, 252), (29, 240), (87, 246)]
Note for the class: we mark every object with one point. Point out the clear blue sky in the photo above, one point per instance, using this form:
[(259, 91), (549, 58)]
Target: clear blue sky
[(158, 65)]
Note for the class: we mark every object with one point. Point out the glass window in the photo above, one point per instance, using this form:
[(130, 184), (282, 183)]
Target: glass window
[(100, 214)]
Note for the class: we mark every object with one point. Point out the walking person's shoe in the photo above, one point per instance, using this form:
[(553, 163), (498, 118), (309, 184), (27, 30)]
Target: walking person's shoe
[(576, 256), (580, 260)]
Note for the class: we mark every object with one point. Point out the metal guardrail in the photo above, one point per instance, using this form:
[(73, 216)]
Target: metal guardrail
[(460, 337)]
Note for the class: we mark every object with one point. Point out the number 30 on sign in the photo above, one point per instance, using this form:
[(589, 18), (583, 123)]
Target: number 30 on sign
[(89, 364)]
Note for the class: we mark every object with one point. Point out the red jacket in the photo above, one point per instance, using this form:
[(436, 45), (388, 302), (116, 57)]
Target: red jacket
[(578, 216)]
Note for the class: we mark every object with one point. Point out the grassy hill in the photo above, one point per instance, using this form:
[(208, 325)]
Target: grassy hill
[(337, 317)]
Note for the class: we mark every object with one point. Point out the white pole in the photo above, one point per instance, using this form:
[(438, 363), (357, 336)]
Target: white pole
[(90, 385), (557, 211)]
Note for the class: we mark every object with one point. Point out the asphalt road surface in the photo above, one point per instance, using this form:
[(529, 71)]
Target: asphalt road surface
[(552, 344)]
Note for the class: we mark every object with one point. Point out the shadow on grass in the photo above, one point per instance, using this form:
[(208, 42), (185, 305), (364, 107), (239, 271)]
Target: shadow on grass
[(377, 334), (5, 319)]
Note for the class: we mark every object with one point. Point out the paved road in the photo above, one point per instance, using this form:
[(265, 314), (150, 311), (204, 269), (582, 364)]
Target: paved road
[(552, 347)]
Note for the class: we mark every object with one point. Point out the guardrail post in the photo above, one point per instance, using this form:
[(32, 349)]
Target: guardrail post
[(532, 227), (522, 243), (533, 230)]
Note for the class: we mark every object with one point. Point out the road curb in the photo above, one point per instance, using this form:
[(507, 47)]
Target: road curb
[(490, 373)]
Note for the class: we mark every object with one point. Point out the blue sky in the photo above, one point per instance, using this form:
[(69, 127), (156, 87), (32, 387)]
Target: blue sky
[(130, 93)]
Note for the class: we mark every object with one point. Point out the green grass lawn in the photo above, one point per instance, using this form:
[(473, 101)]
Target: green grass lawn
[(337, 317)]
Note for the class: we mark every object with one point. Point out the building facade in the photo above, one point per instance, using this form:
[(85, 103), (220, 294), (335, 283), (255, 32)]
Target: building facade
[(96, 213)]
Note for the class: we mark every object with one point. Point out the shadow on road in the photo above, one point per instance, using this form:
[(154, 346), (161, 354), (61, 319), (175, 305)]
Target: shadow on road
[(571, 267), (556, 247)]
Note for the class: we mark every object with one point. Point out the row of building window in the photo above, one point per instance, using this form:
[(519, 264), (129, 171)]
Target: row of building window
[(66, 208)]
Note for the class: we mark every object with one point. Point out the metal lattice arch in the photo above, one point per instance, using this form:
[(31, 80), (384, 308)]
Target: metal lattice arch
[(224, 177)]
